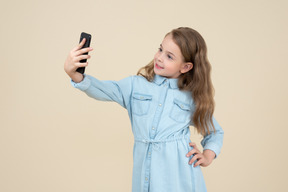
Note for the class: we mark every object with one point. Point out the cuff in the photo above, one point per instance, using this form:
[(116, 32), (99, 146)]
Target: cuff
[(83, 85), (213, 147)]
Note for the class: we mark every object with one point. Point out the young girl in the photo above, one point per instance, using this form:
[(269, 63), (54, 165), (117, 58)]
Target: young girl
[(168, 95)]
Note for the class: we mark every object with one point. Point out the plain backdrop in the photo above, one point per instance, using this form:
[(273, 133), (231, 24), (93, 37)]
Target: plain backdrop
[(55, 138)]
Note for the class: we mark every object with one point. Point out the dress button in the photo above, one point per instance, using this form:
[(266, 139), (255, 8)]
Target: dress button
[(146, 178), (160, 104), (153, 128), (149, 153)]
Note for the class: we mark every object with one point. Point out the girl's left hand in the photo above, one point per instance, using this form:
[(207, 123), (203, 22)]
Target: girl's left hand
[(204, 159)]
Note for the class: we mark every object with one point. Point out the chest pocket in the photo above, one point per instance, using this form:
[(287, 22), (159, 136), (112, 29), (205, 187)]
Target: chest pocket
[(180, 112), (141, 103)]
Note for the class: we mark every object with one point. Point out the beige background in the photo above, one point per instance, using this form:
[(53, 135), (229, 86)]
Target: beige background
[(54, 138)]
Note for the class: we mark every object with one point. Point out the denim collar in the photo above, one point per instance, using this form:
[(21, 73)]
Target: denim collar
[(159, 80)]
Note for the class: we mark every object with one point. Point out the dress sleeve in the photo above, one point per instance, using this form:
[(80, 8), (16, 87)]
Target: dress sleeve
[(118, 91), (214, 140)]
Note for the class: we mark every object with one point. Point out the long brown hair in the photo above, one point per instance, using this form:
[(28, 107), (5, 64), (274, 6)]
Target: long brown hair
[(197, 80)]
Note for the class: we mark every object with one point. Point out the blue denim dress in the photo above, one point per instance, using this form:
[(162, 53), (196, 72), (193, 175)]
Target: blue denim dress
[(160, 118)]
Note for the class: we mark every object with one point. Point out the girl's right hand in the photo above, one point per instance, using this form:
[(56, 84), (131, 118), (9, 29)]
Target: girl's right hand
[(72, 62)]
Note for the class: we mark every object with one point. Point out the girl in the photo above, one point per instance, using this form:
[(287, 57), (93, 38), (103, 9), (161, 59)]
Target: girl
[(168, 95)]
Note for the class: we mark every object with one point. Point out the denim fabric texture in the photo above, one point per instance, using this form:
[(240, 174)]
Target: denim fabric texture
[(160, 116)]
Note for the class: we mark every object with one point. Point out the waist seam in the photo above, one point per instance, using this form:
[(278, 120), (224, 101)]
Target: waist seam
[(160, 141)]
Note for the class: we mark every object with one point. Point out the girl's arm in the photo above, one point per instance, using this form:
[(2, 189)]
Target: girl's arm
[(214, 141), (118, 91), (212, 145)]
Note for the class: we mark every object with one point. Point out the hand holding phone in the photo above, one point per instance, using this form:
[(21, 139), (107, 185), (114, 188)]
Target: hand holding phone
[(87, 44)]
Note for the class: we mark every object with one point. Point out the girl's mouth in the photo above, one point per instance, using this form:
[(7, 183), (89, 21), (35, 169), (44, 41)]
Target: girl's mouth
[(158, 67)]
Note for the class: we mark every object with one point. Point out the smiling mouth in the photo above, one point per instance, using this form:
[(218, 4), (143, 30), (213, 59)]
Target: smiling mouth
[(158, 67)]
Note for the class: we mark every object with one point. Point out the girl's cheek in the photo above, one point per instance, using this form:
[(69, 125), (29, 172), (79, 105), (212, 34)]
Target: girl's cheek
[(157, 53)]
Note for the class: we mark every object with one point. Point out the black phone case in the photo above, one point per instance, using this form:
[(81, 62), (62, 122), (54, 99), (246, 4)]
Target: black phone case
[(87, 44)]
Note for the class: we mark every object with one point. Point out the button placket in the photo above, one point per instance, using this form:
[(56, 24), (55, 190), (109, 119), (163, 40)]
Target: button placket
[(159, 110), (152, 133), (148, 166)]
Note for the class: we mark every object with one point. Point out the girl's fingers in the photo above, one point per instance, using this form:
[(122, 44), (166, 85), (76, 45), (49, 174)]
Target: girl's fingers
[(200, 161), (81, 64), (82, 51), (193, 159), (78, 59), (195, 150), (199, 158), (197, 155), (80, 45), (81, 57), (192, 152), (193, 145)]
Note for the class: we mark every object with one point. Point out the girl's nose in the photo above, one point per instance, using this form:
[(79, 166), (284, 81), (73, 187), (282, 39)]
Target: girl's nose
[(160, 57)]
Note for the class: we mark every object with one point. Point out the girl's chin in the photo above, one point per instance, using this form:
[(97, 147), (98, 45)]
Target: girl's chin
[(156, 71)]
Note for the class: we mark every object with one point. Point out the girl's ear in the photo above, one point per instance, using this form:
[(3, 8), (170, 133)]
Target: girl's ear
[(186, 67)]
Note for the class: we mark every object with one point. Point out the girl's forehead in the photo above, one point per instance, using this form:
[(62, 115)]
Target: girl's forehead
[(169, 45)]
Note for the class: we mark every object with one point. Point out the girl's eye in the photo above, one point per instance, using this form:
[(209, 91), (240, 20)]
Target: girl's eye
[(169, 57), (160, 49)]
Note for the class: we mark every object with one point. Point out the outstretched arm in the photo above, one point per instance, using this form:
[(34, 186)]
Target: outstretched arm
[(118, 91)]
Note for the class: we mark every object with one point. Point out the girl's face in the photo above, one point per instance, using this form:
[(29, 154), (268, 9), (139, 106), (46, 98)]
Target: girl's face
[(169, 61)]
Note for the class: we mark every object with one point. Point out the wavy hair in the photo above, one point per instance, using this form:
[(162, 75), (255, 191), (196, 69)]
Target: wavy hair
[(197, 80)]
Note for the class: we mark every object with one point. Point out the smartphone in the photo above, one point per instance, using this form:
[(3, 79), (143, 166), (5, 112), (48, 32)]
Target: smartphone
[(87, 44)]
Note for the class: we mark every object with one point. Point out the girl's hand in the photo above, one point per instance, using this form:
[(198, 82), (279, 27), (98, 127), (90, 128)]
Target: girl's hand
[(204, 159), (72, 62)]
